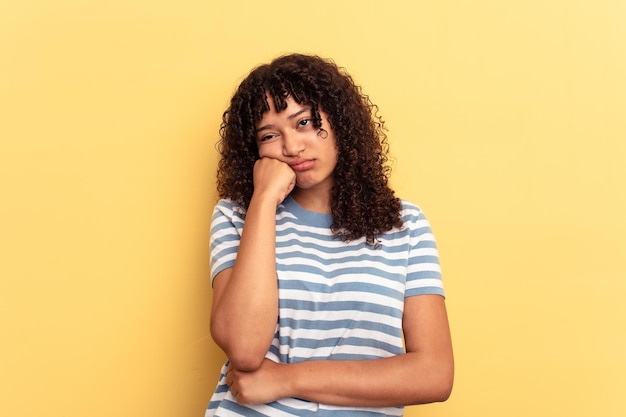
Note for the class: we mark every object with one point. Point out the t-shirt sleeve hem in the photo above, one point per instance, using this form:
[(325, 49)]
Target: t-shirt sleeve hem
[(220, 268), (425, 291)]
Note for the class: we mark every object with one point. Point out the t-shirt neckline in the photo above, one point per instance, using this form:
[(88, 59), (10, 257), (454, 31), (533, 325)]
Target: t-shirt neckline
[(310, 217)]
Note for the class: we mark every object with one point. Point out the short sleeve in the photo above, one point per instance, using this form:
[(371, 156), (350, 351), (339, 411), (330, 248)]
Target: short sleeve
[(423, 269), (226, 228)]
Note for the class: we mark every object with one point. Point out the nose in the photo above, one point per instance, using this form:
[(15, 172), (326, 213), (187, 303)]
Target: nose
[(293, 144)]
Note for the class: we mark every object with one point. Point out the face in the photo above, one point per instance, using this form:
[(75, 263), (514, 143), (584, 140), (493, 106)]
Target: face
[(290, 137)]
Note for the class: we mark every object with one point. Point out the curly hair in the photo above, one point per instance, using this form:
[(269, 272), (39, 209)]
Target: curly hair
[(362, 203)]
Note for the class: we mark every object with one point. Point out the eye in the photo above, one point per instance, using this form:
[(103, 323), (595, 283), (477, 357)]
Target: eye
[(265, 138), (304, 122)]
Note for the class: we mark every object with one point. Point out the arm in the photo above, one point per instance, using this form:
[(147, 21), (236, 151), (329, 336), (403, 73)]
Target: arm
[(245, 297), (423, 374)]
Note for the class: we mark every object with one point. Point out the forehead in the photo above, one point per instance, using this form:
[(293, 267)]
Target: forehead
[(290, 109)]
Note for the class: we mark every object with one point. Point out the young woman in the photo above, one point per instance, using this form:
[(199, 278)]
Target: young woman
[(328, 298)]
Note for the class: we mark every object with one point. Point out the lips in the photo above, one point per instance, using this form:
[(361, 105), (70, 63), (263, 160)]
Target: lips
[(301, 164)]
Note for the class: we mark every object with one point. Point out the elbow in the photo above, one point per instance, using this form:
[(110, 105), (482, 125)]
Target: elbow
[(443, 393), (443, 380), (437, 392), (442, 387), (244, 355), (245, 361), (437, 387)]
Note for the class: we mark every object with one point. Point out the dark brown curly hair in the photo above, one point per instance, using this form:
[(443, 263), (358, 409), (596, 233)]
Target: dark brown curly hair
[(362, 203)]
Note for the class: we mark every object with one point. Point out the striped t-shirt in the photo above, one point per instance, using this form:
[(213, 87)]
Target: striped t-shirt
[(337, 300)]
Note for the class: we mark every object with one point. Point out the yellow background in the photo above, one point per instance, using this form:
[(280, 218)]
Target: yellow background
[(507, 122)]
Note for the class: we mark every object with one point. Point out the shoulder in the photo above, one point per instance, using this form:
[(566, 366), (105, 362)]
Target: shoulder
[(226, 215), (411, 212), (409, 207), (414, 221), (228, 208)]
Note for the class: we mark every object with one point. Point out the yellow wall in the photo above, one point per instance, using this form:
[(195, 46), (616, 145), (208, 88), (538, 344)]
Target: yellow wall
[(508, 122)]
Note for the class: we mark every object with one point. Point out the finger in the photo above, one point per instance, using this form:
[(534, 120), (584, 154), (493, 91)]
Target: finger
[(292, 185), (229, 379), (234, 392)]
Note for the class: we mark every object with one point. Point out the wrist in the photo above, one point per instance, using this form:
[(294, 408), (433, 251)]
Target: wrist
[(266, 198), (288, 377)]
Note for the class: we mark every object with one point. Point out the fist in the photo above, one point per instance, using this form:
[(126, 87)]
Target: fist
[(273, 178)]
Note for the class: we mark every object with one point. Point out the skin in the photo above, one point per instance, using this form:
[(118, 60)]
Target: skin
[(291, 138), (296, 159)]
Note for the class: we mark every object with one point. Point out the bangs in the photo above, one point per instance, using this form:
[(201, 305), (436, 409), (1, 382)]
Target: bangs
[(278, 83)]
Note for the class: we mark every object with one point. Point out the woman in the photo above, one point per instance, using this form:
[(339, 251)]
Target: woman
[(319, 272)]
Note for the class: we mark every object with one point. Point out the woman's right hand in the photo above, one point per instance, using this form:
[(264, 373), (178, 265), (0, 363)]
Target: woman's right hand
[(273, 178)]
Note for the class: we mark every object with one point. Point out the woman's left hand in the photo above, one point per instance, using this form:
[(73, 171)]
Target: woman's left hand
[(257, 387)]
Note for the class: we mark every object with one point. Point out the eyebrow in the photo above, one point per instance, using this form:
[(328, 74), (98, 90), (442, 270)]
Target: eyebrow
[(290, 117)]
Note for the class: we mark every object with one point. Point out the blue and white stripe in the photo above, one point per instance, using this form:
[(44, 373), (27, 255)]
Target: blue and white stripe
[(337, 300)]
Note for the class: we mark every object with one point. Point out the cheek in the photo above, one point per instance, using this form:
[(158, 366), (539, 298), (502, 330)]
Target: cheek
[(270, 150), (263, 151)]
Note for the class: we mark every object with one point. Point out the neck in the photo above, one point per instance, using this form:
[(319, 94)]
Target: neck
[(311, 200)]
